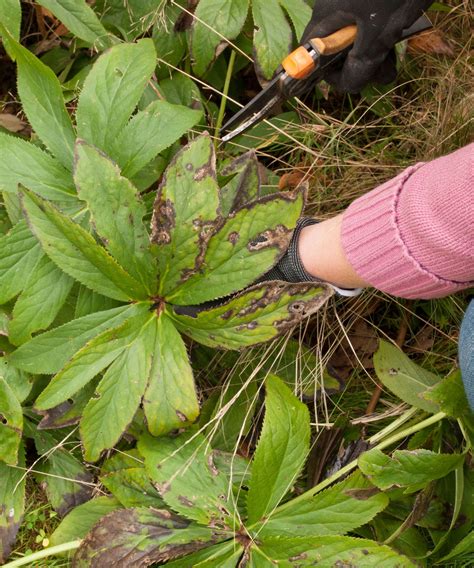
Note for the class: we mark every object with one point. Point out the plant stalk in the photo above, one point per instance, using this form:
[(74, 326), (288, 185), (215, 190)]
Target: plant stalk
[(225, 92), (52, 551), (353, 464)]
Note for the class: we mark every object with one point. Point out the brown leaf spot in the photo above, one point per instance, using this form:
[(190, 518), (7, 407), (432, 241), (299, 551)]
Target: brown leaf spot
[(279, 237), (362, 494), (301, 556), (212, 467), (185, 501), (163, 221), (182, 417), (233, 237)]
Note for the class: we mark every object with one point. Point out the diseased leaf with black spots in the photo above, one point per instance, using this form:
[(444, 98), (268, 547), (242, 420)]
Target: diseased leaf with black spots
[(184, 472), (254, 316), (244, 185), (82, 518), (185, 213), (140, 537), (245, 247)]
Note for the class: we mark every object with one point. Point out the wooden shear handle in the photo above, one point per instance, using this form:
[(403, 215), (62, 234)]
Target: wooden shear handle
[(300, 63)]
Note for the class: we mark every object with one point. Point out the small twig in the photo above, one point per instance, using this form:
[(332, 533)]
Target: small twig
[(401, 337)]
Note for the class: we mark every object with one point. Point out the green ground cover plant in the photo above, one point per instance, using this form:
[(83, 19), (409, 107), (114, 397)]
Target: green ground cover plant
[(152, 433)]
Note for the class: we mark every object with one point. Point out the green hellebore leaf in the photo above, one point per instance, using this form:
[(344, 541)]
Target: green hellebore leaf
[(12, 503), (89, 302), (244, 186), (449, 395), (49, 352), (215, 556), (403, 377), (80, 19), (170, 400), (118, 395), (407, 468), (281, 450), (232, 416), (11, 424), (24, 164), (43, 296), (81, 519), (19, 254), (11, 17), (247, 245), (117, 212), (89, 361), (184, 472), (273, 36), (463, 550), (262, 312), (140, 537), (337, 510), (185, 213), (327, 552), (181, 90), (215, 20), (132, 487), (42, 101), (19, 381), (151, 131), (111, 92), (76, 252), (170, 43)]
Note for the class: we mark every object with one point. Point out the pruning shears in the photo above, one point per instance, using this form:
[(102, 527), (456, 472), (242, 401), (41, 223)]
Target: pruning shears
[(299, 72)]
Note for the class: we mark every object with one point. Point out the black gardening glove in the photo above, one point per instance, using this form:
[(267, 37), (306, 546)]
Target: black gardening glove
[(380, 26), (290, 268)]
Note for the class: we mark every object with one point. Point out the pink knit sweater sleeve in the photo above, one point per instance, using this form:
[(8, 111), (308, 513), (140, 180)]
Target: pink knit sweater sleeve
[(414, 235)]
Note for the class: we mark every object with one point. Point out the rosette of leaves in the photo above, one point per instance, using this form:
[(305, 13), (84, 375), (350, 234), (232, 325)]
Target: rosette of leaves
[(211, 509), (201, 248)]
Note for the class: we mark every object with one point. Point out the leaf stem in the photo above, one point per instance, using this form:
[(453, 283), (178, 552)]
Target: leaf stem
[(52, 551), (225, 92), (353, 464)]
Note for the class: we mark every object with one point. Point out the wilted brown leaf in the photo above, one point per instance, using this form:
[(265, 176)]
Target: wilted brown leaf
[(11, 122), (432, 42)]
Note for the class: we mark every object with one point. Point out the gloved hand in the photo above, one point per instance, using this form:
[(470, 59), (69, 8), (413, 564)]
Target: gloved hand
[(290, 268), (380, 26)]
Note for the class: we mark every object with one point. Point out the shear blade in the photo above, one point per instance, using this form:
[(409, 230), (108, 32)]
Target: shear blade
[(255, 110)]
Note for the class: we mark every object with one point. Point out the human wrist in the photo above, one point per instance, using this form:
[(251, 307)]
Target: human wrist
[(322, 255)]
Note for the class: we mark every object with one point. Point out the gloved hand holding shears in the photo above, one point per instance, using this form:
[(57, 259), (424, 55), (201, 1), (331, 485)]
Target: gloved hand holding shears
[(347, 42)]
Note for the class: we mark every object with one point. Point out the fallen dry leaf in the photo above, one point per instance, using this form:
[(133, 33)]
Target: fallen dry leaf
[(291, 180), (11, 122), (432, 42)]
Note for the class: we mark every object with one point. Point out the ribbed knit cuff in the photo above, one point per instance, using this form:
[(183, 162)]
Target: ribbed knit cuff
[(374, 246)]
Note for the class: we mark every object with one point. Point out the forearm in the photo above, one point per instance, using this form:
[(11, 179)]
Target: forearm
[(412, 237)]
